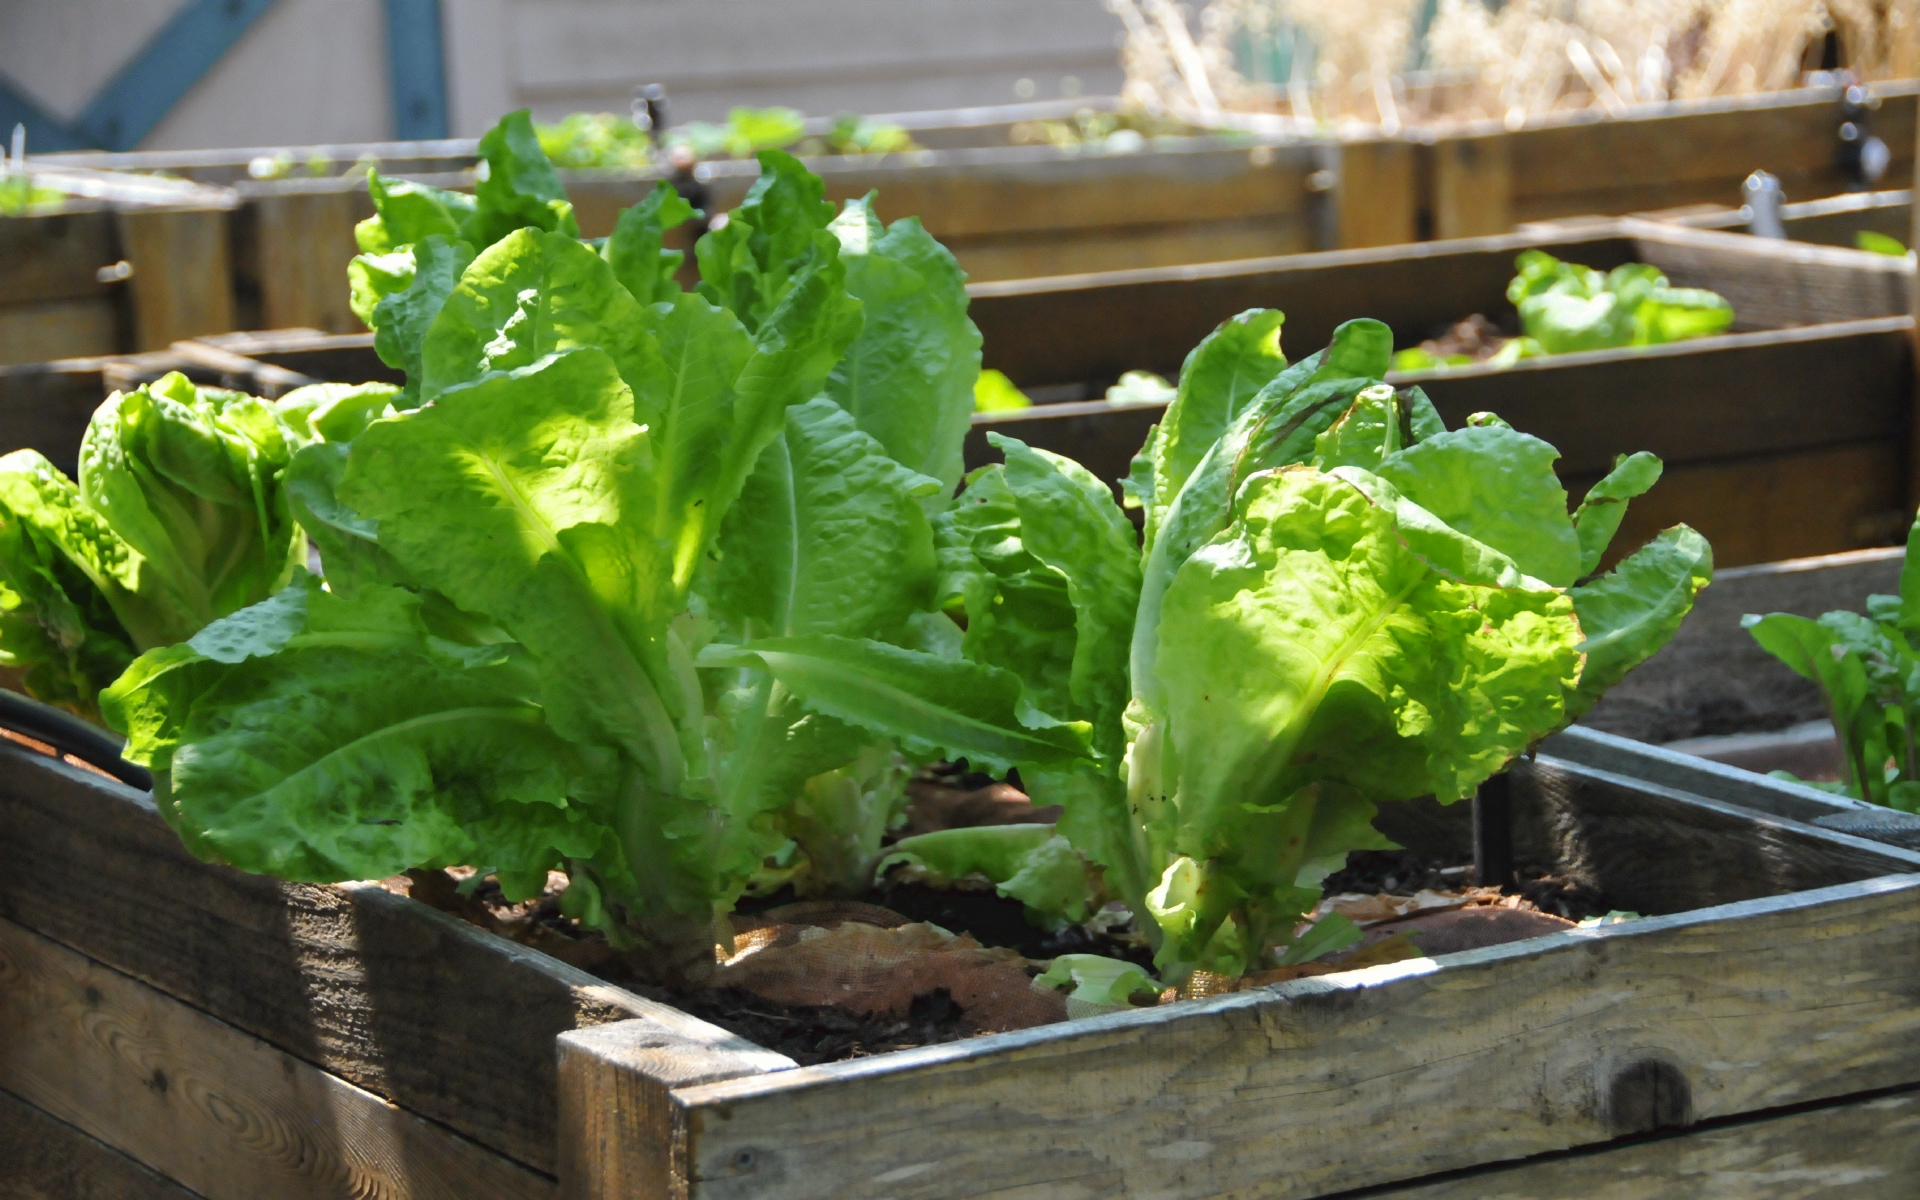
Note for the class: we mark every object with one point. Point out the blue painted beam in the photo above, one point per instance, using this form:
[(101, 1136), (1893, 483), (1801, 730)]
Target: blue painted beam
[(165, 70), (416, 62), (45, 132)]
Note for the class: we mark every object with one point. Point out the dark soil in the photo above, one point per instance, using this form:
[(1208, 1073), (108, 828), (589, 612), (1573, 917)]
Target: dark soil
[(1404, 872), (810, 1036)]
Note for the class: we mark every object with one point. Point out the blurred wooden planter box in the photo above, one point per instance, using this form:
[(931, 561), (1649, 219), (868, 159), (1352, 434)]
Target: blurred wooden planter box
[(1788, 436), (1473, 179), (132, 267), (1006, 211), (1833, 221), (179, 1030)]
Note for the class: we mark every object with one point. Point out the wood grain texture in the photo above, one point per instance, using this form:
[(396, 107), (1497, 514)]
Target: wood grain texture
[(1862, 1150), (182, 282), (622, 1137), (56, 256), (1094, 327), (44, 1158), (1714, 678), (1268, 1093), (45, 407), (56, 329), (200, 1102), (396, 998), (1697, 153), (1472, 186), (302, 242), (1562, 1041), (1376, 197)]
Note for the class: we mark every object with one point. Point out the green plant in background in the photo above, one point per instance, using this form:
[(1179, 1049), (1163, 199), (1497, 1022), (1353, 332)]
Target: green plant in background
[(180, 517), (746, 132), (587, 140), (1565, 307), (1879, 243), (994, 392), (1868, 671), (1337, 602), (20, 196)]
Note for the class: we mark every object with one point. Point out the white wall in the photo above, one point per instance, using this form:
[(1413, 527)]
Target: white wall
[(307, 71), (316, 70)]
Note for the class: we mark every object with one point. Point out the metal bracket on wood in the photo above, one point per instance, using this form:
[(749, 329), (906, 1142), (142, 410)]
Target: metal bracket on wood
[(1493, 833)]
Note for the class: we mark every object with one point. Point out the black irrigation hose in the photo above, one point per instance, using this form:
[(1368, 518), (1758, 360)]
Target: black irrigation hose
[(70, 735)]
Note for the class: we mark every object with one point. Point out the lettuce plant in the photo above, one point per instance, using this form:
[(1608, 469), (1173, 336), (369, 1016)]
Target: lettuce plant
[(1565, 307), (1869, 674), (1336, 602), (577, 566), (179, 518)]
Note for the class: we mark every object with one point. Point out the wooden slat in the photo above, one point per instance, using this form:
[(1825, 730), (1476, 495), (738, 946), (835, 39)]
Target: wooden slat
[(55, 329), (1713, 404), (1861, 1150), (1699, 155), (622, 1137), (1775, 506), (407, 1002), (202, 1103), (1094, 327), (45, 407), (43, 1158), (1376, 194), (1778, 284), (57, 256), (1494, 1054), (987, 257), (303, 242), (181, 285), (1204, 1099), (1472, 186)]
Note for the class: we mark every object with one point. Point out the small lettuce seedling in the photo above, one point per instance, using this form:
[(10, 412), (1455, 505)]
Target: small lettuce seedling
[(1869, 674)]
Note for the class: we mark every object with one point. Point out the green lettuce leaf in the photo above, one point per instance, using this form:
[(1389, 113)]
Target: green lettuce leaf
[(518, 188), (748, 264), (634, 248), (908, 379), (1028, 863), (1636, 608)]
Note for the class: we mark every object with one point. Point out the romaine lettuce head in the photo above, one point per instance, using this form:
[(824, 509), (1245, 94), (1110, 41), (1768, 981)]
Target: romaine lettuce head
[(1340, 603), (191, 479), (1565, 307)]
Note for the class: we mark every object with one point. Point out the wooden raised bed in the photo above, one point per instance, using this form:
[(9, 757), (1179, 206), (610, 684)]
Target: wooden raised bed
[(176, 1029), (136, 268), (1785, 437)]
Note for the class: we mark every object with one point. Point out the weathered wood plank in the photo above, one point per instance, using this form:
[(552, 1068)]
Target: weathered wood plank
[(303, 241), (45, 407), (55, 329), (1494, 1054), (622, 1137), (203, 1103), (43, 1158), (1776, 284), (182, 281), (1472, 186), (1862, 1150), (57, 256), (409, 1003), (1377, 193)]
